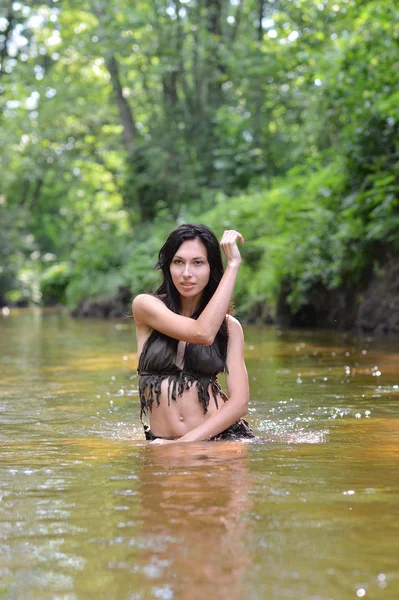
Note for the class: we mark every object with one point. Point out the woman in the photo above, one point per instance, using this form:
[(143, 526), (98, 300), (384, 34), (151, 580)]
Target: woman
[(186, 337)]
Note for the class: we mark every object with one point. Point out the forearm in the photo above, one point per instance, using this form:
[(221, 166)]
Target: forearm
[(228, 414), (212, 316)]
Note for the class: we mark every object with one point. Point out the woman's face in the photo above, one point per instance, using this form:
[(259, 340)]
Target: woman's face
[(190, 269)]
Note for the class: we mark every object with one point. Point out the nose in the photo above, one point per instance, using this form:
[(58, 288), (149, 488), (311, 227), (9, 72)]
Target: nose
[(187, 273)]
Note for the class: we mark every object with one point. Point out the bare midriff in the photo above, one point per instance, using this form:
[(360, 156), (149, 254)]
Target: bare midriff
[(179, 416)]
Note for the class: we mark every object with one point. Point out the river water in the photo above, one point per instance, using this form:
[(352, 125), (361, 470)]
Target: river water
[(89, 510)]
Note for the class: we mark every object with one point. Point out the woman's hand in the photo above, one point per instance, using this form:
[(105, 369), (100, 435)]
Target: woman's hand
[(159, 441), (230, 248)]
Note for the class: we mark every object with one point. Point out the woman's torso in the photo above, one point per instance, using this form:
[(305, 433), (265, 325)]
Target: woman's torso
[(182, 379)]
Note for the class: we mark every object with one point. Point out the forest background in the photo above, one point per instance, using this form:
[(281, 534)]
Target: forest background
[(119, 120)]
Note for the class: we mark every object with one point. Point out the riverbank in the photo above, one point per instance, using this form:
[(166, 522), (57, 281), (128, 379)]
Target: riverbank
[(375, 308), (371, 306)]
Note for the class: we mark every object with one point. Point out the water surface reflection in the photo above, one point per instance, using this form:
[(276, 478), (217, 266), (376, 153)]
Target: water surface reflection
[(90, 510), (195, 500)]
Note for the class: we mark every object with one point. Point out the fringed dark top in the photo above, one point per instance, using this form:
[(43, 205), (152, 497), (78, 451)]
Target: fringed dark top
[(201, 365)]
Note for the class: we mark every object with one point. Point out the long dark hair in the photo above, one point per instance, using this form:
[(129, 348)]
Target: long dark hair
[(167, 291)]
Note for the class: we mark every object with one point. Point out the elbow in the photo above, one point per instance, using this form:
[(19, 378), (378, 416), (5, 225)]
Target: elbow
[(207, 341), (204, 338), (239, 408), (243, 408), (238, 401)]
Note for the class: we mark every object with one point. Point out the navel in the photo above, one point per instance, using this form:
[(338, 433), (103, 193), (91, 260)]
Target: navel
[(181, 418)]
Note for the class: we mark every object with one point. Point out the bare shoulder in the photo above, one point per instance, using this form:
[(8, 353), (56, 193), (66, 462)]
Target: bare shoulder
[(142, 299), (234, 326), (142, 303)]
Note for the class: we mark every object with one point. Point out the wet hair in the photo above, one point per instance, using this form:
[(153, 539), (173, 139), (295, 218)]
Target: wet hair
[(167, 291)]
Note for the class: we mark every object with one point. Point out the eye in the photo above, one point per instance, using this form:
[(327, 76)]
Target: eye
[(198, 262), (177, 261)]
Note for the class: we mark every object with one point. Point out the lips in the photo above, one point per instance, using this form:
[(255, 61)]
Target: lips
[(187, 286)]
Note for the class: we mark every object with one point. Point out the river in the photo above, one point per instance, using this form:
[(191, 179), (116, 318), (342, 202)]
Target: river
[(89, 510)]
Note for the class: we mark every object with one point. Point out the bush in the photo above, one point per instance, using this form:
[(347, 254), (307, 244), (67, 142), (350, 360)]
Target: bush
[(54, 282)]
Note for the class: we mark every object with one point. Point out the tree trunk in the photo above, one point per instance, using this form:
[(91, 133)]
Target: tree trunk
[(214, 27), (258, 94), (237, 18), (125, 112), (214, 10), (25, 190), (261, 7), (36, 192)]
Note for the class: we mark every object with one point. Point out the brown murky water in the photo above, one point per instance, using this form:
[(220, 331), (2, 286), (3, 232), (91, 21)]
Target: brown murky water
[(89, 510)]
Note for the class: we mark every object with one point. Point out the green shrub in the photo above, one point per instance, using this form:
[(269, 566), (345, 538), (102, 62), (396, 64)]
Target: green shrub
[(54, 282)]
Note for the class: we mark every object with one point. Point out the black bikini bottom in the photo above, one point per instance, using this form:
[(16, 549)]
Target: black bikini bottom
[(239, 430)]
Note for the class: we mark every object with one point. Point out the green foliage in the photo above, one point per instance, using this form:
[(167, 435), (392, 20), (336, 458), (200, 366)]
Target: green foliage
[(290, 235), (18, 258), (119, 120), (54, 282), (98, 259)]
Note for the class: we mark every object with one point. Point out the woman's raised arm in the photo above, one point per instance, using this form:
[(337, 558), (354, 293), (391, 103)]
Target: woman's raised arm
[(151, 312)]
